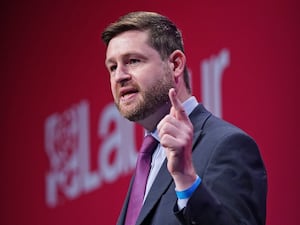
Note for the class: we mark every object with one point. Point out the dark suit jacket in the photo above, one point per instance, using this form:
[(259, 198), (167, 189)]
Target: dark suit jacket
[(234, 182)]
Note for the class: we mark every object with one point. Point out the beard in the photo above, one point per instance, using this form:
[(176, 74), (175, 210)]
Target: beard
[(151, 100)]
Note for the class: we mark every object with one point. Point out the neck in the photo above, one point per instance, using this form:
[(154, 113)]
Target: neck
[(151, 121), (183, 95)]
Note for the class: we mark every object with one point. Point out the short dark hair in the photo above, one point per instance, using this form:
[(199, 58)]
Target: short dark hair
[(164, 36)]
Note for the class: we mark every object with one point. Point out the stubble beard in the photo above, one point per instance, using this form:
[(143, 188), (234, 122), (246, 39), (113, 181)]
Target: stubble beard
[(151, 100)]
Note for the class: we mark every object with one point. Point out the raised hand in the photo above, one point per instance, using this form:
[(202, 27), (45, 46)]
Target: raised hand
[(176, 136)]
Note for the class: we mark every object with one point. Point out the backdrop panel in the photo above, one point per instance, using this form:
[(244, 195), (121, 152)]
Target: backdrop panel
[(66, 154)]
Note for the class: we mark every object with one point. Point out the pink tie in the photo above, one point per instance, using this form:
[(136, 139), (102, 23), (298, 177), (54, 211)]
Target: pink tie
[(141, 175)]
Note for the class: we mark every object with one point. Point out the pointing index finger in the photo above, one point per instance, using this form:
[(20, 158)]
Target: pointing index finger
[(174, 100), (177, 107)]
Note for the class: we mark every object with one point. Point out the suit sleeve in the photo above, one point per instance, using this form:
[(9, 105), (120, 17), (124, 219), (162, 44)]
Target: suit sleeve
[(234, 185)]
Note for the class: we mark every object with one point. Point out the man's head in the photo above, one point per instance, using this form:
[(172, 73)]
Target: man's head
[(145, 60), (164, 36)]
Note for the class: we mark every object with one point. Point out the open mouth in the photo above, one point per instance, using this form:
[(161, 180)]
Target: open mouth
[(127, 93)]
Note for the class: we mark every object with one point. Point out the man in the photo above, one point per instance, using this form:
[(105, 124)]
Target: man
[(204, 170)]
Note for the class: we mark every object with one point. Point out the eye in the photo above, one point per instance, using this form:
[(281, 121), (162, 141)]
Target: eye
[(133, 61), (112, 68)]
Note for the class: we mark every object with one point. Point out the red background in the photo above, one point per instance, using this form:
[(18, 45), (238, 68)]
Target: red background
[(52, 58)]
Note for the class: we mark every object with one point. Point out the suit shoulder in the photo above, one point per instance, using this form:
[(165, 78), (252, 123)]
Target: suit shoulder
[(220, 126)]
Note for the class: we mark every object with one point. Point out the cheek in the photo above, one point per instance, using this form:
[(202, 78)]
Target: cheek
[(152, 79), (113, 89)]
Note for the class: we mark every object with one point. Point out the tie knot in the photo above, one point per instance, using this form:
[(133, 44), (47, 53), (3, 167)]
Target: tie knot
[(149, 144)]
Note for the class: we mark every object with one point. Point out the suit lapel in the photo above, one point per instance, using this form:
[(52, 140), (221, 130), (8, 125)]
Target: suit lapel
[(164, 179), (160, 185), (198, 117)]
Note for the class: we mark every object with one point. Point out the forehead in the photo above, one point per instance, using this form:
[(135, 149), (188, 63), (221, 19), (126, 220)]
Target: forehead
[(128, 42)]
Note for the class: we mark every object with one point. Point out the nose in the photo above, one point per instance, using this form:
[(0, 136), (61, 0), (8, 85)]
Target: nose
[(121, 75)]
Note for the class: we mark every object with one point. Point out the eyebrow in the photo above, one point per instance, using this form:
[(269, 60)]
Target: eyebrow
[(127, 55), (107, 61)]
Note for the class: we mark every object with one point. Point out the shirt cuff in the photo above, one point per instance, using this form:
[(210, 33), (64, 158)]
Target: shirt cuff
[(181, 203), (184, 196)]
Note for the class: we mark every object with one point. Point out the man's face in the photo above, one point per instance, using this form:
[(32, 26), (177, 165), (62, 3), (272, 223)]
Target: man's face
[(140, 79)]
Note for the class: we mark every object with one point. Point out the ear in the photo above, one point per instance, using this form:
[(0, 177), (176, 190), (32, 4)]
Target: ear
[(178, 61)]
